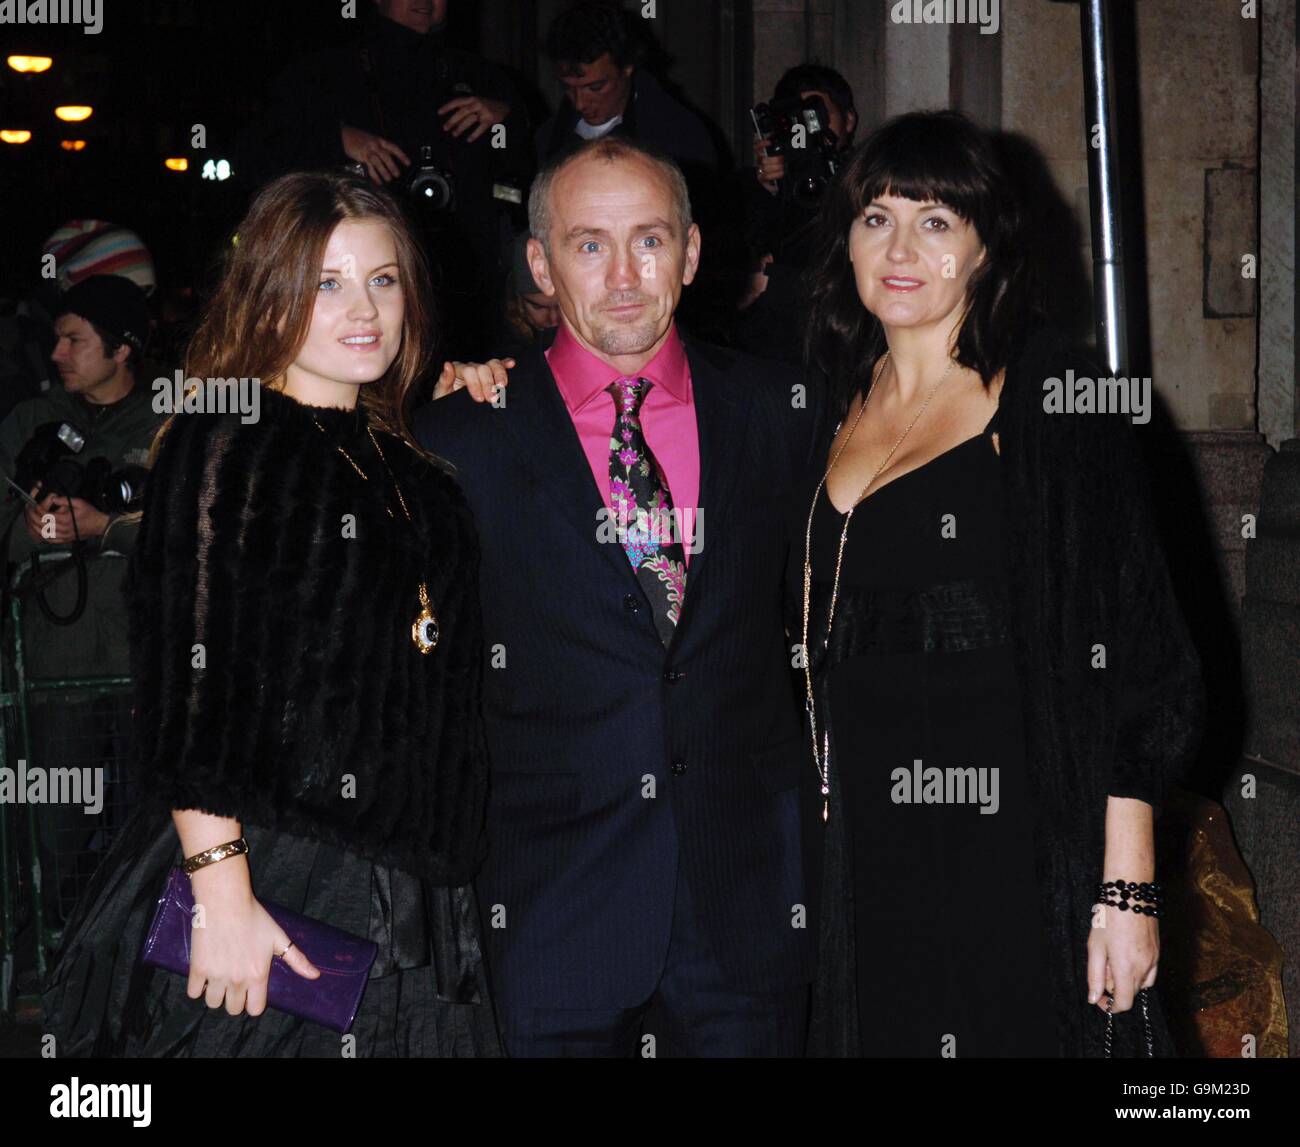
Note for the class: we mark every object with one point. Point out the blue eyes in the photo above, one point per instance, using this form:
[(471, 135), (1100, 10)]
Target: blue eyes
[(586, 247), (387, 281)]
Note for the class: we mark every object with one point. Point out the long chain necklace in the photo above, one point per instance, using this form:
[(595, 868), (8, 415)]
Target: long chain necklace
[(822, 756), (424, 630)]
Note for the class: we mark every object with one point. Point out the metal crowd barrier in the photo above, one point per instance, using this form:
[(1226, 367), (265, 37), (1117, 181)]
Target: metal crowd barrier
[(49, 852)]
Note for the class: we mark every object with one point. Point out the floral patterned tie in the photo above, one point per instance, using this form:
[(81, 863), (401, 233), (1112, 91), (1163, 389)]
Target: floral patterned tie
[(643, 509)]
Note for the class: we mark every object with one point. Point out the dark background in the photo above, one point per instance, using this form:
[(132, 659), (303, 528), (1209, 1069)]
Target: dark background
[(160, 66), (157, 68)]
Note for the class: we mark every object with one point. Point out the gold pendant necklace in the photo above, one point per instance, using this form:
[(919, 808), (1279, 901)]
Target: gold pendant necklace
[(822, 757), (424, 629)]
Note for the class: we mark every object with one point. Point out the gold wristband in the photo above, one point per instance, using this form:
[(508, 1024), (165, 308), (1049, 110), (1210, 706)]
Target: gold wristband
[(212, 855)]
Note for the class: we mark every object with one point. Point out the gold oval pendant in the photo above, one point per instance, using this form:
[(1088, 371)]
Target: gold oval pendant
[(424, 631)]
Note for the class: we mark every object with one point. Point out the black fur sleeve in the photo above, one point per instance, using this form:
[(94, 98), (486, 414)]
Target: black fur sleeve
[(197, 604)]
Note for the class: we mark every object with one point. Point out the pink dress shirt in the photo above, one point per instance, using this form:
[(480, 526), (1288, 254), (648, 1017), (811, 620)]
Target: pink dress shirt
[(667, 417)]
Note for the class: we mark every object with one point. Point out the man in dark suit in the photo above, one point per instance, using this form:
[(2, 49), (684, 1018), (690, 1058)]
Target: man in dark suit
[(628, 487)]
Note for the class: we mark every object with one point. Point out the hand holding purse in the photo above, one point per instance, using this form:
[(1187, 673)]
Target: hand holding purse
[(344, 960), (1109, 1039)]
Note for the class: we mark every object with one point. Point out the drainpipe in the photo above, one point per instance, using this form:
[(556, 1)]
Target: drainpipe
[(1103, 186)]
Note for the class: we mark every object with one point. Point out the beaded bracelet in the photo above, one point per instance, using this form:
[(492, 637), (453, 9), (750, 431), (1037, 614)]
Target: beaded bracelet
[(1146, 896), (1138, 891)]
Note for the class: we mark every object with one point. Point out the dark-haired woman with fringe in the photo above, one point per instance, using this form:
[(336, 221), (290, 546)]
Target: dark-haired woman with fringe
[(306, 654), (999, 683)]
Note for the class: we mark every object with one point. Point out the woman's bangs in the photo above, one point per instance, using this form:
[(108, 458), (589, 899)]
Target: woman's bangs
[(921, 178)]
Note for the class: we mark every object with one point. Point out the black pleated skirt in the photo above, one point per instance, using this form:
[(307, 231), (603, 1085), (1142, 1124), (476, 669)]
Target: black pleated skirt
[(427, 995)]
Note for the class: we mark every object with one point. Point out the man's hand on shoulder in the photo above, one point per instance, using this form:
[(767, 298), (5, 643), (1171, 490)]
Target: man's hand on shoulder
[(482, 380)]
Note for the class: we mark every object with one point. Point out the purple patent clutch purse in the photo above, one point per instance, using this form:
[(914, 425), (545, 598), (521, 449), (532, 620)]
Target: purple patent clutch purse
[(344, 960)]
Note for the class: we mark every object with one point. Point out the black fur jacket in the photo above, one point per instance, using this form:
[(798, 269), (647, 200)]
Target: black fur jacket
[(272, 593)]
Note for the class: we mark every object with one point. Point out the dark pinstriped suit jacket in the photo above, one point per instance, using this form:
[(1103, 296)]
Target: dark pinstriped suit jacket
[(613, 758)]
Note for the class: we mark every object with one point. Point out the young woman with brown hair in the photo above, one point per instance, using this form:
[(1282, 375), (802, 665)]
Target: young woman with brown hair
[(307, 660)]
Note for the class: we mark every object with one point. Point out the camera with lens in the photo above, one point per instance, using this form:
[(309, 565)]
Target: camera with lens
[(799, 130), (430, 185), (49, 462)]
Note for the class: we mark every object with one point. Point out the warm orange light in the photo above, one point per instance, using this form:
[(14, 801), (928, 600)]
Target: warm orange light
[(30, 63), (73, 113), (9, 136), (72, 144), (181, 164)]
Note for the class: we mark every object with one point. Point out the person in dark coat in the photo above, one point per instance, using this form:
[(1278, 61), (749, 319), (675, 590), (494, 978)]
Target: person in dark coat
[(306, 655), (607, 89), (380, 101), (988, 620), (69, 550), (779, 225)]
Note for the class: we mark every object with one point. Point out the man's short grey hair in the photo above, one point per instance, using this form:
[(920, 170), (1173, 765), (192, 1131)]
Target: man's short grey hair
[(610, 148)]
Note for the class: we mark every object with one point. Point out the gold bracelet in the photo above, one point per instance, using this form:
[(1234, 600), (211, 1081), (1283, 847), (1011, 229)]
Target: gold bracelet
[(212, 855)]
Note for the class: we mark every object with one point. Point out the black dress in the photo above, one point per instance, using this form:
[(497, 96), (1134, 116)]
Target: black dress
[(930, 925)]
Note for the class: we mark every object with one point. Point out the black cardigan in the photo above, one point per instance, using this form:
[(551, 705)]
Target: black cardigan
[(1085, 569), (271, 598)]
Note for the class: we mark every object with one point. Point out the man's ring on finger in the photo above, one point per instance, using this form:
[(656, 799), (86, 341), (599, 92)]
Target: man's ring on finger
[(286, 948)]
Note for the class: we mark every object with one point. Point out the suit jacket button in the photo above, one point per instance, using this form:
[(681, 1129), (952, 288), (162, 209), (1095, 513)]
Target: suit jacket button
[(631, 603), (672, 676), (678, 767)]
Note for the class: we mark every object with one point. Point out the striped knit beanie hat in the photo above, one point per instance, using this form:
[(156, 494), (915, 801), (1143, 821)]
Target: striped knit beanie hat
[(86, 247)]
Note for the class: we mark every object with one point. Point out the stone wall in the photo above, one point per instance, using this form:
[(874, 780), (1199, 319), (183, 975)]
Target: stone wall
[(1263, 799)]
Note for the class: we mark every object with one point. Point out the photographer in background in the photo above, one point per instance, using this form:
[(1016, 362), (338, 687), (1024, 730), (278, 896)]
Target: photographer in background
[(79, 452), (598, 57), (80, 248), (783, 198), (418, 116)]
